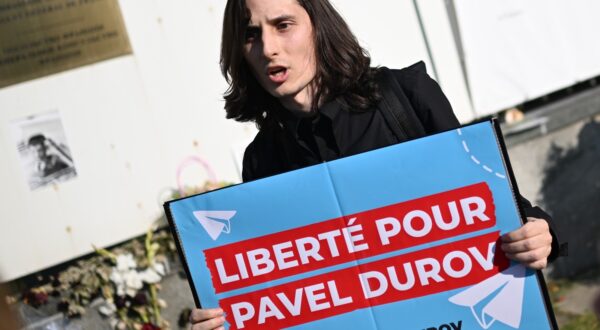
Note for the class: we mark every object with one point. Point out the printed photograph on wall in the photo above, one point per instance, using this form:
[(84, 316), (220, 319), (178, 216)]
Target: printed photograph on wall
[(43, 149)]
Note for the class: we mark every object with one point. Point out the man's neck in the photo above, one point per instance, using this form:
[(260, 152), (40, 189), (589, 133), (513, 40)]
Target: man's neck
[(300, 105)]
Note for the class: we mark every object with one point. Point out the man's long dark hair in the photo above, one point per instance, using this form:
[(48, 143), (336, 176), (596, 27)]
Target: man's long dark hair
[(342, 65)]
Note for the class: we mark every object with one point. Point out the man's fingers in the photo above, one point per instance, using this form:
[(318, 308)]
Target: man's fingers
[(530, 257), (532, 228), (529, 244), (517, 235), (199, 315)]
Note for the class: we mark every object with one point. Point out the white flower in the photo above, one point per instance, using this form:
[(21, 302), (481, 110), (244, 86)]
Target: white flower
[(127, 282), (153, 274), (125, 277), (116, 277), (159, 268), (150, 276), (125, 262), (133, 282)]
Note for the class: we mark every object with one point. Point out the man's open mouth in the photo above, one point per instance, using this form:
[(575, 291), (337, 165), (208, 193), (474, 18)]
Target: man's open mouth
[(277, 74), (277, 71)]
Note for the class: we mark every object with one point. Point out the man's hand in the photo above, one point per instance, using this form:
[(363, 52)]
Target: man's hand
[(530, 245), (207, 319)]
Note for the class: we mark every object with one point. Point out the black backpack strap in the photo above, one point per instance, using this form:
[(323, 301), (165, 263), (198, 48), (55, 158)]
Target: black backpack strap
[(396, 108)]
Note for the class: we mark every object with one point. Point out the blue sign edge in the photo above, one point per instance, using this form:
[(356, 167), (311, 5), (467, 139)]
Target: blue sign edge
[(515, 190)]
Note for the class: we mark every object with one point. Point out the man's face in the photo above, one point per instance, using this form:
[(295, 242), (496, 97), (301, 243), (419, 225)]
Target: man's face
[(40, 150), (280, 51)]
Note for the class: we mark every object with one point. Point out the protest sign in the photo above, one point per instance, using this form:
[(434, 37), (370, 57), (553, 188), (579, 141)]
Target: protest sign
[(403, 237)]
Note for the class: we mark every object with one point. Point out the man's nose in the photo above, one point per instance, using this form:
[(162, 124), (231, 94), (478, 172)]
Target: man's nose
[(270, 44)]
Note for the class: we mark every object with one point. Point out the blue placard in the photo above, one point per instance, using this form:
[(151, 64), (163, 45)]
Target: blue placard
[(401, 237)]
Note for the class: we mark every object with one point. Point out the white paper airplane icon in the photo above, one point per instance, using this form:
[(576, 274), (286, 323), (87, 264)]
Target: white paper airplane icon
[(215, 222), (507, 304)]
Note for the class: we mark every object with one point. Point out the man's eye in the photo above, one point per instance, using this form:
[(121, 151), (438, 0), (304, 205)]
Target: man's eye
[(283, 26)]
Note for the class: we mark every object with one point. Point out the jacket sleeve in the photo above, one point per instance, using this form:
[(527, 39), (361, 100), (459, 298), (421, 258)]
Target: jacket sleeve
[(558, 248), (428, 101)]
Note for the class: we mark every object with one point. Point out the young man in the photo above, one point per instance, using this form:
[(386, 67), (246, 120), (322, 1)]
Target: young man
[(296, 70)]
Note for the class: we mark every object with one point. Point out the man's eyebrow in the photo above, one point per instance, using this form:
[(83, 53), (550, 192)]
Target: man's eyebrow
[(280, 18), (273, 20)]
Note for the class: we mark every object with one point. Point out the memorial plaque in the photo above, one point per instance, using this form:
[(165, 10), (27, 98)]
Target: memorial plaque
[(41, 37)]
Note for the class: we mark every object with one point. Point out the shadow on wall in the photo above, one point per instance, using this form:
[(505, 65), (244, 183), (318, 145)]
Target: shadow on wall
[(571, 193)]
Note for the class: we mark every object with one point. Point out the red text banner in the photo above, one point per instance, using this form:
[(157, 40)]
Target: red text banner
[(352, 237), (402, 277)]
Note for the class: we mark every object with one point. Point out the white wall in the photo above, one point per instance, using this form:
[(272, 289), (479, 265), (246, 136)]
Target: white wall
[(129, 122), (436, 25), (390, 31), (517, 51)]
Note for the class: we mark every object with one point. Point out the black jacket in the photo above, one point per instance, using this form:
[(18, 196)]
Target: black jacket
[(333, 133)]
